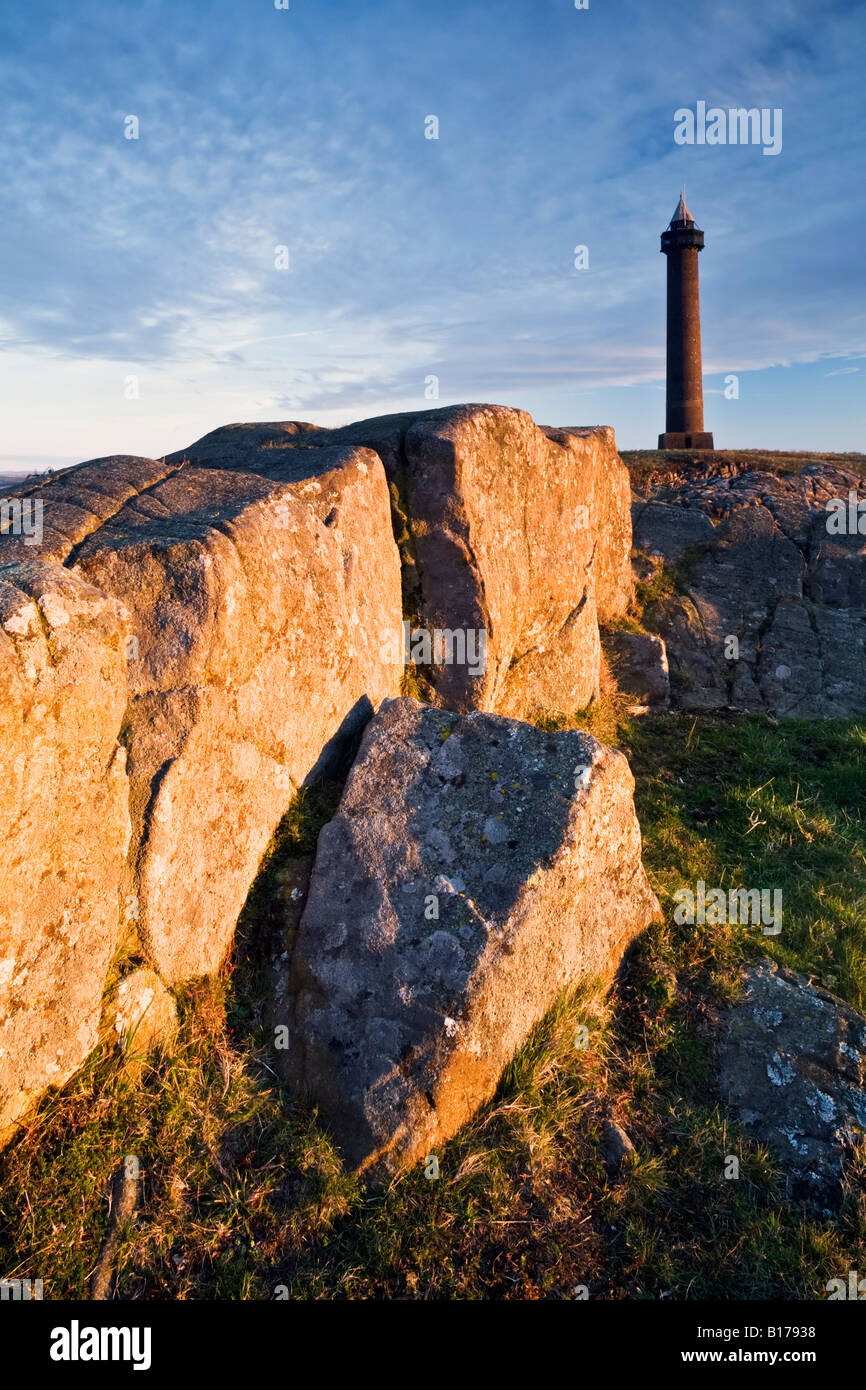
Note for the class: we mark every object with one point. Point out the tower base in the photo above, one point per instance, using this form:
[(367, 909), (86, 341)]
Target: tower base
[(686, 441)]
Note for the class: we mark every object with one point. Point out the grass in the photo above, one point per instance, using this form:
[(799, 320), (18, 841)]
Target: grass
[(743, 800), (244, 1197)]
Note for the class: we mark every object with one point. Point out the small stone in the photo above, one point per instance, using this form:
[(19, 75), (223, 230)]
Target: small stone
[(495, 832), (639, 665), (143, 1012), (616, 1147)]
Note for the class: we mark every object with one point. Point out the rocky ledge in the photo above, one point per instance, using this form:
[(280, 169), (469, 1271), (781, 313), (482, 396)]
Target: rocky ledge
[(770, 608)]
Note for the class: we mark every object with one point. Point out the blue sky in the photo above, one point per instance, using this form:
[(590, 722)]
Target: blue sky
[(409, 258)]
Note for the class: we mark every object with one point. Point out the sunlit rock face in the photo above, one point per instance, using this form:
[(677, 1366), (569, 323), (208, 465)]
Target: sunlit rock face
[(476, 868), (64, 821), (505, 528), (257, 605)]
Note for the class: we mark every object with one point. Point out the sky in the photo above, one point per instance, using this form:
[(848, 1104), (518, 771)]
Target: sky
[(144, 301)]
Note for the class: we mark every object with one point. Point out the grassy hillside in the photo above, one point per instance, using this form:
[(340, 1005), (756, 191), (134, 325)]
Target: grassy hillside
[(244, 1195)]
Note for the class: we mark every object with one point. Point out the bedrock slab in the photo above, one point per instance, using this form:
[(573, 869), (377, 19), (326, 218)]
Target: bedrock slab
[(64, 825), (476, 868), (771, 609)]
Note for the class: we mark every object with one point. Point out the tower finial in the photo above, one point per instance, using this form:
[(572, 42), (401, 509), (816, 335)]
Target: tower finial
[(682, 216)]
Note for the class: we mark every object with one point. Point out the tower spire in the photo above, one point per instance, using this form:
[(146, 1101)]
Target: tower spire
[(682, 216)]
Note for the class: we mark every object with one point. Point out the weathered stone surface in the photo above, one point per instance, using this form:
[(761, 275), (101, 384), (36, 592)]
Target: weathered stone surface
[(639, 664), (142, 1012), (610, 513), (772, 613), (795, 499), (667, 531), (526, 845), (257, 606), (123, 1202), (64, 824), (837, 566), (792, 1061), (697, 679), (504, 527), (78, 501), (254, 448)]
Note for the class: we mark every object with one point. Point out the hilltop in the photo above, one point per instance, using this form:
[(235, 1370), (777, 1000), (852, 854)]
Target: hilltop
[(322, 917)]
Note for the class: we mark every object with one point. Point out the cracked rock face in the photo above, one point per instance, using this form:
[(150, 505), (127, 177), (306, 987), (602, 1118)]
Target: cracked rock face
[(257, 605), (64, 822), (520, 532), (792, 1061), (477, 867), (252, 655), (772, 610)]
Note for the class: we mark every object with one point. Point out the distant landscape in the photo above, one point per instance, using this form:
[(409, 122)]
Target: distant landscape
[(19, 476)]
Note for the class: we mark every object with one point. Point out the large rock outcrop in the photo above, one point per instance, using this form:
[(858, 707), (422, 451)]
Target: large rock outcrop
[(771, 612), (64, 824), (263, 595), (477, 867), (506, 529)]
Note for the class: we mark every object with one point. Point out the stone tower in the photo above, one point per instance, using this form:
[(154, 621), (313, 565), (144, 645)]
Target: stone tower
[(684, 416)]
